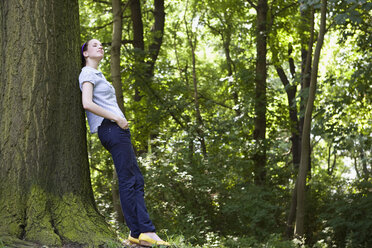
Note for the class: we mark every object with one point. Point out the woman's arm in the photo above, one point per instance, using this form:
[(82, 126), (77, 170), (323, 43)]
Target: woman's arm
[(88, 104)]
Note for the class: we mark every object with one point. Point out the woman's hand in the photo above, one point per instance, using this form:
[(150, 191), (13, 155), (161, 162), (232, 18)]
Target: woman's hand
[(122, 123)]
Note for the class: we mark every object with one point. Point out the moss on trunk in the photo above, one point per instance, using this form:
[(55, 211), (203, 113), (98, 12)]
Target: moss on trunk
[(54, 221)]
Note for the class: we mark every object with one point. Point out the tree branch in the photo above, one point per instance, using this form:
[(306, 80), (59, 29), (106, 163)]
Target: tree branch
[(101, 1), (123, 42), (218, 103), (283, 8), (252, 4)]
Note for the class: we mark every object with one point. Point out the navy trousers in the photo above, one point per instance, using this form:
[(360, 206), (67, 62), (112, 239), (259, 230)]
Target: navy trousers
[(117, 141)]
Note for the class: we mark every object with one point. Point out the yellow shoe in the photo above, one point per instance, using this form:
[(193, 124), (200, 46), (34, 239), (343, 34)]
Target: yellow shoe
[(147, 241), (133, 240)]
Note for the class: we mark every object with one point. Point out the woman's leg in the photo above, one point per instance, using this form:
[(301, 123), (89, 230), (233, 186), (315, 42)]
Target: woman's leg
[(117, 142)]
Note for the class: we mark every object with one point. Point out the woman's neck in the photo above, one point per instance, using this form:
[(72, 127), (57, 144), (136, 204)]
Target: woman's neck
[(92, 63)]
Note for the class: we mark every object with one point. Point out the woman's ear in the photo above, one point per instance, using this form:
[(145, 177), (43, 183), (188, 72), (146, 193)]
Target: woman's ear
[(85, 54)]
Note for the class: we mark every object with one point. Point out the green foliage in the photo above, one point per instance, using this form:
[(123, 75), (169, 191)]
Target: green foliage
[(210, 200), (349, 219)]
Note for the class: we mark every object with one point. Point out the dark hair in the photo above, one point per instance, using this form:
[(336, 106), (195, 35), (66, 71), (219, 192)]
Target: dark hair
[(84, 47)]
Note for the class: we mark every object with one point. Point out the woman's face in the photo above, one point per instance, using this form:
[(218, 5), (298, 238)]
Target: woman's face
[(94, 50)]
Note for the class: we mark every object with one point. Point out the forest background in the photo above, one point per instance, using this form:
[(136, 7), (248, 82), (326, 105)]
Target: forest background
[(191, 91), (251, 121)]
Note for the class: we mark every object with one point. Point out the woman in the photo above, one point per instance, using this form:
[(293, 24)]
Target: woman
[(106, 118)]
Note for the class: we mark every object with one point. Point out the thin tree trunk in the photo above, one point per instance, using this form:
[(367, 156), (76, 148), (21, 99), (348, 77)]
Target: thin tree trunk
[(364, 163), (306, 55), (330, 167), (115, 52), (157, 31), (191, 37), (356, 168), (305, 148), (292, 109), (259, 133), (307, 25), (144, 71), (199, 119), (292, 213), (138, 44), (116, 81), (230, 72), (45, 191), (295, 139), (306, 65)]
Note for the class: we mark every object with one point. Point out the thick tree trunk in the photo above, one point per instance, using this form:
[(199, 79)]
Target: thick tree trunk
[(259, 133), (305, 147), (116, 81), (45, 191)]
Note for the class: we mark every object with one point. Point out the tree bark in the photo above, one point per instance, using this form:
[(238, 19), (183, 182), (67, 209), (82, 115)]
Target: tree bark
[(115, 52), (45, 191), (116, 81), (144, 71), (307, 22), (305, 147), (295, 139), (138, 44), (292, 109), (157, 31), (259, 133), (307, 26)]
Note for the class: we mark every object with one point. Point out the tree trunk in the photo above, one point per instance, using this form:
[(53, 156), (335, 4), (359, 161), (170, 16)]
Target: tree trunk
[(226, 39), (45, 191), (305, 147), (115, 52), (199, 119), (157, 31), (364, 162), (259, 133), (144, 71), (116, 81), (192, 40), (307, 22), (295, 138), (292, 213), (307, 26), (292, 109), (138, 44)]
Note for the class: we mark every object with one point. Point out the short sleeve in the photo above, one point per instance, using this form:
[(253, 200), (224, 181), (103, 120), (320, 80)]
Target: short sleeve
[(86, 76)]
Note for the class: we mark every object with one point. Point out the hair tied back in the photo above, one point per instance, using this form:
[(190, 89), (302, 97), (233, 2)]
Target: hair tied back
[(82, 48)]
